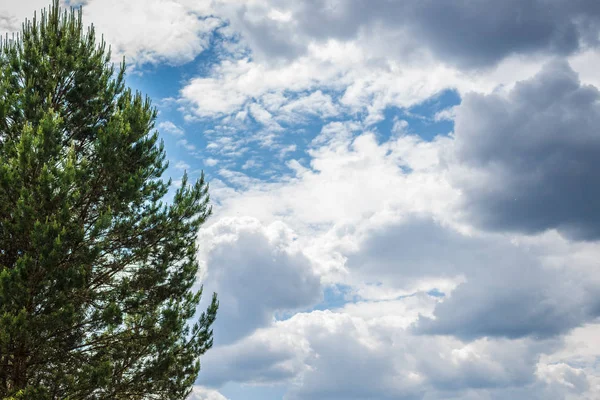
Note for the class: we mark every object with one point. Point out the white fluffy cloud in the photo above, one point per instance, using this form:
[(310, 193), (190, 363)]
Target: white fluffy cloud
[(201, 393), (155, 31), (337, 186), (152, 31), (573, 370)]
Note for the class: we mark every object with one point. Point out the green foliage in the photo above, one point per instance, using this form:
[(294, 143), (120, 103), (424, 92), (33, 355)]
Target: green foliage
[(96, 270)]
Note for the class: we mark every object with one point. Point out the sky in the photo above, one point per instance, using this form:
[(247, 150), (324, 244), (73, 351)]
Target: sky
[(405, 193)]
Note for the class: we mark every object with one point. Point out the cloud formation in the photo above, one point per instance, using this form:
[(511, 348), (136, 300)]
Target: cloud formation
[(526, 160), (325, 356), (257, 272), (375, 237), (499, 291), (470, 34)]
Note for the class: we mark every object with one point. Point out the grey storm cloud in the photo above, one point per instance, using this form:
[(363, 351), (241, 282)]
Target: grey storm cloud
[(507, 293), (528, 161), (469, 33)]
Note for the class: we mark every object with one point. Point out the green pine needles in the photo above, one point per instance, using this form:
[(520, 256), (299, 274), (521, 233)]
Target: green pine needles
[(97, 272)]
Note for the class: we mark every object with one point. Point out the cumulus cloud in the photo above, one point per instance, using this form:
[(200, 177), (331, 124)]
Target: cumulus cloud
[(145, 32), (564, 375), (344, 160), (467, 33), (328, 355), (265, 357), (360, 365), (447, 303), (297, 350), (371, 55), (501, 289), (151, 31), (506, 298), (201, 393), (572, 371), (257, 272), (526, 160)]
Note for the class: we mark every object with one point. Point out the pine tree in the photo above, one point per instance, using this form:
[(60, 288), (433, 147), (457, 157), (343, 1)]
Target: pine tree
[(97, 269)]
